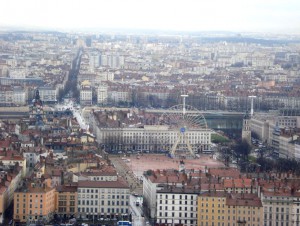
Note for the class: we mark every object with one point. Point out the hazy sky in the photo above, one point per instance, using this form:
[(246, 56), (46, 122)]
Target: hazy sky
[(183, 15)]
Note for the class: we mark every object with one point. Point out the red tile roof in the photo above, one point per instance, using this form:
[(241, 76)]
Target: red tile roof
[(224, 172), (237, 183), (103, 184), (236, 199)]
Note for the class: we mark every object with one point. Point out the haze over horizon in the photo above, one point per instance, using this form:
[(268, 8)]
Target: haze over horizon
[(277, 16)]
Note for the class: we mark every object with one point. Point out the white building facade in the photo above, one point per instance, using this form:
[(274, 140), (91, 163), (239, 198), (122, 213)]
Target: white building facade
[(102, 94), (31, 158), (102, 199), (86, 95), (48, 94), (19, 96), (280, 209), (152, 138), (177, 206)]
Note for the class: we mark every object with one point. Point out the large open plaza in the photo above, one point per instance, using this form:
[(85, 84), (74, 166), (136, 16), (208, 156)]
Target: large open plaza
[(139, 164)]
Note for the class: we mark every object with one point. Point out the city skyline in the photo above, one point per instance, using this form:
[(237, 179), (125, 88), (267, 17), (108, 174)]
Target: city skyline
[(93, 126), (237, 16)]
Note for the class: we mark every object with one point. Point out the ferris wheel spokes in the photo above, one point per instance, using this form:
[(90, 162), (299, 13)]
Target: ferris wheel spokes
[(186, 127)]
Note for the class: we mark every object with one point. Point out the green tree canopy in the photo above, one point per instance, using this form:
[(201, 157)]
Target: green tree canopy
[(242, 150)]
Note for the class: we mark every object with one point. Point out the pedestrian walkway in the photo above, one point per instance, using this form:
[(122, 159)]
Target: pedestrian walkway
[(136, 185)]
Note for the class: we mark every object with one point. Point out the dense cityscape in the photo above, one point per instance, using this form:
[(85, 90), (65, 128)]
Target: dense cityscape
[(149, 113), (117, 129)]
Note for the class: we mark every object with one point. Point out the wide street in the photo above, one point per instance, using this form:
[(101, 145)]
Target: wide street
[(137, 212), (136, 186)]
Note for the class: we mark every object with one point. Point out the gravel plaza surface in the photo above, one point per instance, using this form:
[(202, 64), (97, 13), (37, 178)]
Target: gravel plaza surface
[(155, 161)]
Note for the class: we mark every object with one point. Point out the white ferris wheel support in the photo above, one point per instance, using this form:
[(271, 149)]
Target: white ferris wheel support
[(182, 139)]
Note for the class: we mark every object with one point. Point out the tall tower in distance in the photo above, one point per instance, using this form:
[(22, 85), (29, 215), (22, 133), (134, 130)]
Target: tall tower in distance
[(246, 131)]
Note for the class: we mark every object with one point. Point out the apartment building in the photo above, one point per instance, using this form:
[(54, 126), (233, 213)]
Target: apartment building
[(282, 142), (260, 126), (19, 96), (288, 122), (176, 206), (66, 200), (34, 203), (31, 157), (48, 94), (105, 175), (94, 60), (119, 95), (211, 209), (6, 95), (278, 132), (159, 187), (102, 94), (86, 95), (103, 199), (104, 75), (243, 209), (112, 60), (240, 185), (229, 209), (128, 134), (297, 151), (281, 207), (90, 77), (14, 160), (9, 182)]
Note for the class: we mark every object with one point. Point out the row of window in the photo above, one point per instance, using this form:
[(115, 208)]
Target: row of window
[(35, 200), (108, 202), (187, 222), (229, 224), (64, 209), (277, 216), (64, 197), (277, 198), (104, 178), (180, 208), (172, 214), (103, 197), (117, 191), (207, 217), (223, 211), (30, 211), (192, 197), (64, 203), (287, 210), (213, 199), (153, 135), (213, 205), (30, 205), (276, 224), (177, 202), (30, 217), (108, 210)]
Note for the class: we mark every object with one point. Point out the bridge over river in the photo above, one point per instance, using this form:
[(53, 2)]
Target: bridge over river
[(217, 120)]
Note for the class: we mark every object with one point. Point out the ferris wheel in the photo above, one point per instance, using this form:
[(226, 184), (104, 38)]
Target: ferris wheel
[(182, 120)]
